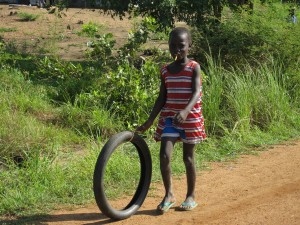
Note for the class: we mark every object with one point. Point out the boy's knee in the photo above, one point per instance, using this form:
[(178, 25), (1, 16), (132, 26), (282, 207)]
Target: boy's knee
[(188, 161), (165, 159)]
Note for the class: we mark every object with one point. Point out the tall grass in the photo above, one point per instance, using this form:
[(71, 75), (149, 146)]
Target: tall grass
[(213, 84), (86, 119), (27, 118), (254, 97), (42, 182), (243, 99)]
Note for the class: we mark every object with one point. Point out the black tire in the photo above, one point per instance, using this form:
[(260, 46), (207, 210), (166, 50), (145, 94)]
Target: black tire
[(145, 176)]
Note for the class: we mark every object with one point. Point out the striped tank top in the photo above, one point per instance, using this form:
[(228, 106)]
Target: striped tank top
[(179, 92)]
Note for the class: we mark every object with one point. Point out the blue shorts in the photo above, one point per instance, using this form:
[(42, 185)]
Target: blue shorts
[(171, 131)]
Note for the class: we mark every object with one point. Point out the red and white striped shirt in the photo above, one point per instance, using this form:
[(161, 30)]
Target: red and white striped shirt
[(179, 92)]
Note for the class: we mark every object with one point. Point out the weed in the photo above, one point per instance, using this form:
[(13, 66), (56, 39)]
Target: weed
[(102, 47), (3, 29), (27, 16), (90, 29)]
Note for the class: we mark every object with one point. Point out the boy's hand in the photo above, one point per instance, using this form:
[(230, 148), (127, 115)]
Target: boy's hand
[(180, 117), (144, 127)]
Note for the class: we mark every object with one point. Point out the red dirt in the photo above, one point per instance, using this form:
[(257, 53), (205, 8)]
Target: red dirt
[(254, 189), (58, 35)]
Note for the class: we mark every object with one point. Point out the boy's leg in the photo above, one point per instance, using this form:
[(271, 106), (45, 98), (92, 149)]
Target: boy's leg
[(189, 162), (166, 150)]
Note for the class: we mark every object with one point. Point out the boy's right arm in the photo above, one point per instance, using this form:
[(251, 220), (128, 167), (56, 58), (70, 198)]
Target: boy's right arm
[(159, 103)]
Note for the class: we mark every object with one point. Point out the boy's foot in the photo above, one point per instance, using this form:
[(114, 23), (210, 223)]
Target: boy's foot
[(188, 206), (163, 207)]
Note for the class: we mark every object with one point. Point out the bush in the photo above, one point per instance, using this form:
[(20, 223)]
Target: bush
[(65, 79), (129, 92), (90, 29), (251, 38)]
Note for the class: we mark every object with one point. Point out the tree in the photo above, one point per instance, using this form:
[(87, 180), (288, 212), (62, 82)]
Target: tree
[(166, 12), (194, 12)]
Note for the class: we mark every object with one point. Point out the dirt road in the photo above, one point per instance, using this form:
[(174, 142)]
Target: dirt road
[(255, 189)]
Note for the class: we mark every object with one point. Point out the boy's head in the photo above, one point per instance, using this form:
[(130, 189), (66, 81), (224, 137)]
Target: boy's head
[(178, 31), (179, 42)]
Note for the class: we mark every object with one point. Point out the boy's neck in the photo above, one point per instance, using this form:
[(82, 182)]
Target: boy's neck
[(182, 62)]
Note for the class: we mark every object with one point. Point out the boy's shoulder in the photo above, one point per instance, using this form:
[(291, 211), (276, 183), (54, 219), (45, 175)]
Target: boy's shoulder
[(173, 68), (194, 62), (191, 62), (164, 68)]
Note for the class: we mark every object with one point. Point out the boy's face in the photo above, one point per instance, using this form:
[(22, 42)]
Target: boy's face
[(179, 45)]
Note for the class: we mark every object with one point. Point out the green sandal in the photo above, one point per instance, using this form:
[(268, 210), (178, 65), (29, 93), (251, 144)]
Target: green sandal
[(164, 207), (188, 206)]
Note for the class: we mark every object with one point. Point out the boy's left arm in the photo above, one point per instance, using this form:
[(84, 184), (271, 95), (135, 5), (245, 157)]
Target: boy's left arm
[(196, 88)]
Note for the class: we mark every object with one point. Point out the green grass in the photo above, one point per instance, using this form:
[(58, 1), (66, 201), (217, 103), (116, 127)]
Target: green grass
[(124, 159), (51, 172), (42, 182), (27, 118), (4, 29), (27, 16)]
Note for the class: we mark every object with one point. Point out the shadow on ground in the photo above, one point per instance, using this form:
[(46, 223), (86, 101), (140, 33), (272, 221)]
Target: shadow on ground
[(100, 218)]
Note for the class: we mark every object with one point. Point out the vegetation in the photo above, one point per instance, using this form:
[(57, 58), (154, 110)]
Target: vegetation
[(90, 29), (27, 16), (204, 14), (56, 115), (3, 29)]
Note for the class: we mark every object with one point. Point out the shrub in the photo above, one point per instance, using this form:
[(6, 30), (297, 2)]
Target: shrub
[(101, 48), (67, 79), (250, 38), (90, 29), (129, 92)]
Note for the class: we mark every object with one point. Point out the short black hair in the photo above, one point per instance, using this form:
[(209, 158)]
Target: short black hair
[(182, 30)]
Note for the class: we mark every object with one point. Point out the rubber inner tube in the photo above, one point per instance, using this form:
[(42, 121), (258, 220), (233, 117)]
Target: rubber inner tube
[(144, 181)]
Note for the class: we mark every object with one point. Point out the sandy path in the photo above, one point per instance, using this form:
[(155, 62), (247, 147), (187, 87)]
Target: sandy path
[(255, 189)]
